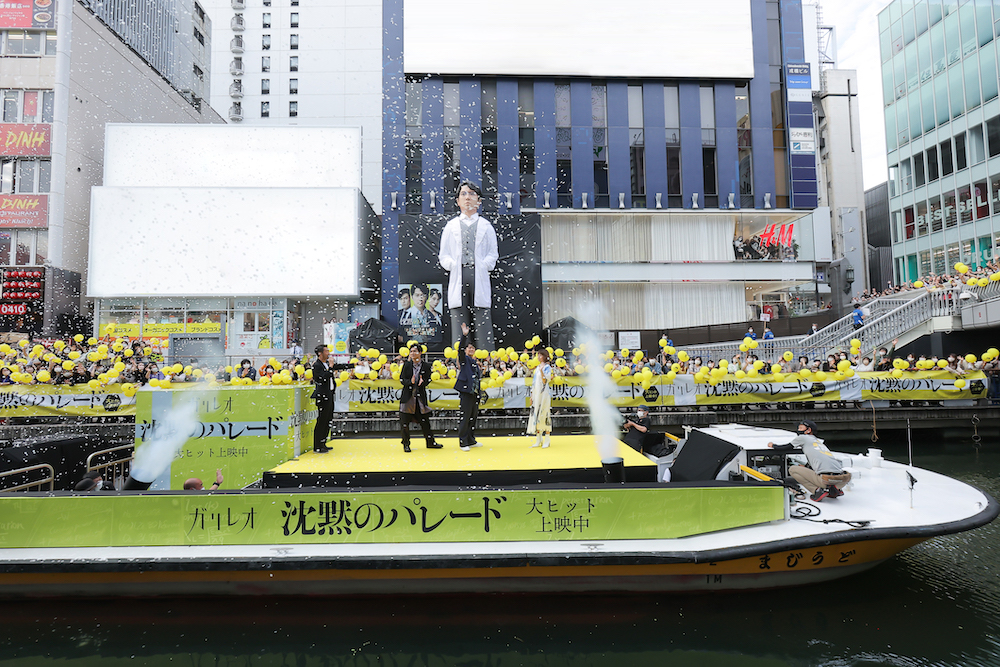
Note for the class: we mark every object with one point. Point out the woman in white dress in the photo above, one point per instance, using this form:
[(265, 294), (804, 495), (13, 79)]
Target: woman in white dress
[(540, 421)]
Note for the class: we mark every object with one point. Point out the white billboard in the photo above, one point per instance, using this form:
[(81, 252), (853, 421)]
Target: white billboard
[(232, 156), (594, 38), (224, 242)]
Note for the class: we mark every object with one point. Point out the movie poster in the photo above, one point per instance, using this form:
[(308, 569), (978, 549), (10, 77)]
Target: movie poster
[(515, 283)]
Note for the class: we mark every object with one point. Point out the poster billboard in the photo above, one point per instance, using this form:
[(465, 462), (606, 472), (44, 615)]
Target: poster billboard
[(515, 282), (39, 14), (26, 211)]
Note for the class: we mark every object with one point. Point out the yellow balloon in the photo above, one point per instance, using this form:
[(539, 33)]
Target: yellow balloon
[(67, 365), (90, 341), (43, 376), (146, 351), (24, 342), (918, 283), (959, 384), (961, 268), (970, 358), (805, 373), (775, 368), (94, 384), (616, 374), (740, 375), (78, 338), (788, 356), (942, 363), (779, 377), (820, 376), (843, 365), (671, 375), (897, 373), (233, 381), (536, 339), (683, 356)]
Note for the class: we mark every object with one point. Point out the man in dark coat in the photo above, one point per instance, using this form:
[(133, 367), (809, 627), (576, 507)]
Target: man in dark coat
[(323, 395), (640, 437), (467, 386), (413, 403)]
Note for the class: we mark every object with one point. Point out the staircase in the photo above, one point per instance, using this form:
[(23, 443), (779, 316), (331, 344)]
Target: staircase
[(906, 316)]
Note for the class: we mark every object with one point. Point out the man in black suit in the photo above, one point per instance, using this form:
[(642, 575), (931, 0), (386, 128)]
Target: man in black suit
[(323, 395), (467, 386), (413, 403)]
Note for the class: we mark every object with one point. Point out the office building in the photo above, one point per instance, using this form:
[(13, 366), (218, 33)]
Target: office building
[(942, 121)]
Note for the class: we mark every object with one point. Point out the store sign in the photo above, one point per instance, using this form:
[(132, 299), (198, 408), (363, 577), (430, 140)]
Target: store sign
[(19, 139), (13, 308), (797, 75), (27, 14), (24, 211)]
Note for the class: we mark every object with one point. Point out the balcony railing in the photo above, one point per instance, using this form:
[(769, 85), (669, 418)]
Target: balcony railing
[(236, 44), (236, 89), (238, 23)]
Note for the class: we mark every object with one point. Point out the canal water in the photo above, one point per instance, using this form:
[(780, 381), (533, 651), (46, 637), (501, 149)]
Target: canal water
[(936, 604)]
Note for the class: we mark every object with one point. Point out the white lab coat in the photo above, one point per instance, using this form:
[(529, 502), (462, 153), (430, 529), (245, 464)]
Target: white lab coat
[(450, 257)]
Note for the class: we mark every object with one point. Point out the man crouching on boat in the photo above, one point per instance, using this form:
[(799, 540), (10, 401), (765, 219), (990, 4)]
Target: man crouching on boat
[(825, 476)]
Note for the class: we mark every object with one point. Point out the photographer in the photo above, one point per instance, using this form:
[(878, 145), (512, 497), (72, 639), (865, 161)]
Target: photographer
[(640, 437)]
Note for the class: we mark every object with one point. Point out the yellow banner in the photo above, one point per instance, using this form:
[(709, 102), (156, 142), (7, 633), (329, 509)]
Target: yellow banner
[(65, 401), (154, 329)]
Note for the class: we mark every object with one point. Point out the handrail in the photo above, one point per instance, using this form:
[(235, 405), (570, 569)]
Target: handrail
[(30, 486), (891, 325), (116, 470)]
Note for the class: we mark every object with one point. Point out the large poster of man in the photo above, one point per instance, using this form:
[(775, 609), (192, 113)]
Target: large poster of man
[(497, 292), (422, 320)]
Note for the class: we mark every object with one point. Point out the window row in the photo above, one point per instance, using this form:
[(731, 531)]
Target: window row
[(265, 109), (949, 156), (975, 252), (963, 27), (24, 247), (293, 20), (948, 96), (28, 106), (265, 63), (25, 175), (14, 42), (977, 201)]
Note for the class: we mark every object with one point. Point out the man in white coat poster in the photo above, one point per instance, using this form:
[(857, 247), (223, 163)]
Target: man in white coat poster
[(468, 253)]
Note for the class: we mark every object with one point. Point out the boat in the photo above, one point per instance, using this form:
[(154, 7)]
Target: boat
[(503, 517)]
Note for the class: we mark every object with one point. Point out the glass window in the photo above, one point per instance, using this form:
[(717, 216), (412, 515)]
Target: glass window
[(922, 222), (23, 254), (293, 86), (895, 226), (988, 71), (933, 170), (891, 136), (940, 263), (912, 68), (947, 165), (955, 82), (707, 107), (993, 135), (11, 105), (938, 54), (894, 188), (984, 22), (26, 175), (671, 106), (925, 262), (50, 43), (920, 19), (908, 28), (293, 109), (919, 177), (952, 41), (265, 109), (934, 214), (48, 105), (293, 63), (911, 227), (967, 17), (927, 101), (44, 175), (414, 102), (950, 210), (965, 204), (899, 75), (265, 63), (563, 116), (41, 246), (916, 126), (452, 106), (635, 106), (977, 145), (488, 108), (995, 193), (960, 158), (888, 86), (32, 43), (6, 239), (293, 42), (981, 200), (293, 20), (971, 68), (906, 175), (941, 99), (265, 20), (265, 42), (265, 86)]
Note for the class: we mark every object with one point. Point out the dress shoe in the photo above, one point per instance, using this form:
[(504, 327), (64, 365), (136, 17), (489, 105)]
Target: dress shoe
[(474, 444), (434, 445), (322, 450), (406, 448)]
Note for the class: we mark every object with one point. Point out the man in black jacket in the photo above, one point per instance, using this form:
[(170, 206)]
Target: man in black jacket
[(467, 386), (413, 403), (323, 395)]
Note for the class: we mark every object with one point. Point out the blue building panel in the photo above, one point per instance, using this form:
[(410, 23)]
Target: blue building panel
[(761, 136), (508, 148), (582, 155), (470, 97), (726, 154), (655, 136), (792, 38), (692, 179), (432, 164), (619, 174), (545, 142), (393, 153)]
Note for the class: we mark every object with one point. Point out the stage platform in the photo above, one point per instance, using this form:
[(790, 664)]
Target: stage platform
[(501, 461)]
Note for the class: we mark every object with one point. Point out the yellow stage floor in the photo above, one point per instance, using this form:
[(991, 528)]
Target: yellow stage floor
[(386, 455)]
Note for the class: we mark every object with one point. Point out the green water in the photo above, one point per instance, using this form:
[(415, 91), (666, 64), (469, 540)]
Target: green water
[(936, 604)]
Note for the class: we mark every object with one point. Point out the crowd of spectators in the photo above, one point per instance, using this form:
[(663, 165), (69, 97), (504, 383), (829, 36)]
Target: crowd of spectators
[(953, 281)]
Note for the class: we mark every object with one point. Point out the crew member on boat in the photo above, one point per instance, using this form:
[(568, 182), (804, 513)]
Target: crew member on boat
[(825, 476), (640, 436)]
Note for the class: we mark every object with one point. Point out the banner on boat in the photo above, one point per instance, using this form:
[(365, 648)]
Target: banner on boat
[(571, 392), (103, 520), (64, 401), (239, 430)]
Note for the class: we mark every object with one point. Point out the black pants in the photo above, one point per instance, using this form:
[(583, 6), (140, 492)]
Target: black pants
[(322, 431), (425, 426), (469, 404)]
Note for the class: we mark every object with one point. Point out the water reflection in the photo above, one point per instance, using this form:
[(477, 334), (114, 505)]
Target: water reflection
[(936, 604)]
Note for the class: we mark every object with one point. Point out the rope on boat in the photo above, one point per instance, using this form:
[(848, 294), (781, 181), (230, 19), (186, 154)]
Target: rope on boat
[(976, 438), (805, 512), (874, 429)]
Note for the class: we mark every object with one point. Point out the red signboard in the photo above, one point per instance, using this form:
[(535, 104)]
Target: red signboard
[(13, 308), (27, 14), (27, 140), (24, 211)]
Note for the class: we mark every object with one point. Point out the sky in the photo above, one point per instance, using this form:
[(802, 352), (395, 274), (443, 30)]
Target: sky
[(856, 23)]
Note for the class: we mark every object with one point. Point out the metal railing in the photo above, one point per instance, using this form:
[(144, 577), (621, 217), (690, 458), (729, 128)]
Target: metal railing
[(117, 466), (31, 482)]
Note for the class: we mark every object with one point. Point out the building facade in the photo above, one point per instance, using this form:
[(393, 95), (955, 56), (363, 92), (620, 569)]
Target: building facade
[(61, 80), (276, 62), (671, 194), (942, 120)]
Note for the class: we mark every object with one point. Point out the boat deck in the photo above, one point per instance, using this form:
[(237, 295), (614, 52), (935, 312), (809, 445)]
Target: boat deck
[(501, 460)]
